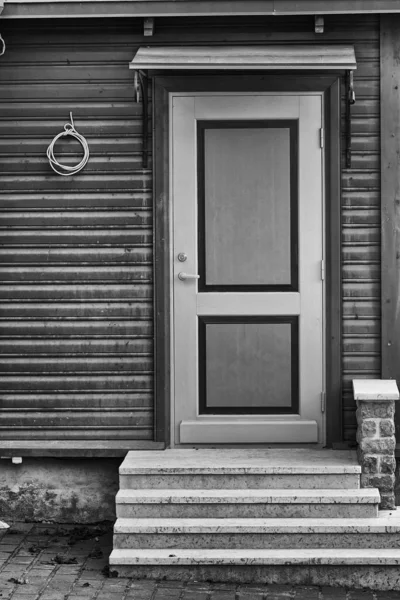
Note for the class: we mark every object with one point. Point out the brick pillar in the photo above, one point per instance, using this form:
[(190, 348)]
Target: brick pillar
[(375, 399)]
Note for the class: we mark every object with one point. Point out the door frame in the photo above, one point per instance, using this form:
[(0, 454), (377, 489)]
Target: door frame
[(163, 86)]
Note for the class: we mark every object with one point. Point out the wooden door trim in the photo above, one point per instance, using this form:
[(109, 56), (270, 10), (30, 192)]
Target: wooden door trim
[(163, 85)]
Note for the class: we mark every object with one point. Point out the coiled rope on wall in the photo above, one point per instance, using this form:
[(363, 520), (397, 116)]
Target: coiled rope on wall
[(3, 46), (66, 170)]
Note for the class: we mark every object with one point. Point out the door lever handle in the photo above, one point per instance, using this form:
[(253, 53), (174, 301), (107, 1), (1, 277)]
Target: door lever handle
[(183, 276)]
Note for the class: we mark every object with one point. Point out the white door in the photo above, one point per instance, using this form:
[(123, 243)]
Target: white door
[(246, 188)]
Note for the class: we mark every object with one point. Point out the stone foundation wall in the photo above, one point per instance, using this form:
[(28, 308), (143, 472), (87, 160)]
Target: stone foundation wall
[(59, 490)]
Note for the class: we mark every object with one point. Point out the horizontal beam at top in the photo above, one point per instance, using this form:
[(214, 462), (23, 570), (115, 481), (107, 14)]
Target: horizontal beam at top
[(176, 8)]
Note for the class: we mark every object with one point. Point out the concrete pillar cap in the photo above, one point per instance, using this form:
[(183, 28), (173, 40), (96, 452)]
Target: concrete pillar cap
[(375, 390)]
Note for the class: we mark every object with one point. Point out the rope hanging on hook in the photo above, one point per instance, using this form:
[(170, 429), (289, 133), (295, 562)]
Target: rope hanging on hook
[(65, 170)]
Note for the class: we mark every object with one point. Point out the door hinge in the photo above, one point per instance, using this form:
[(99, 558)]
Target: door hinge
[(321, 137), (323, 401), (322, 270)]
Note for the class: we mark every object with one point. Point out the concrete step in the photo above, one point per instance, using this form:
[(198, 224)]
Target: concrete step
[(228, 533), (265, 468), (373, 568), (254, 503)]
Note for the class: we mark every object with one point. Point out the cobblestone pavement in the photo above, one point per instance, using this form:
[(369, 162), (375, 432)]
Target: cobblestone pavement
[(66, 562)]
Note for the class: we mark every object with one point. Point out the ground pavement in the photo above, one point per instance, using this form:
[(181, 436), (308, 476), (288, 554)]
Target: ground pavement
[(66, 562)]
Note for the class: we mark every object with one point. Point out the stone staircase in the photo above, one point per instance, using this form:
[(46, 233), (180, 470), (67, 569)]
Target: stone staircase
[(268, 515)]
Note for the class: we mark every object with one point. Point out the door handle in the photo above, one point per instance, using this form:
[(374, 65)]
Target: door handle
[(183, 276)]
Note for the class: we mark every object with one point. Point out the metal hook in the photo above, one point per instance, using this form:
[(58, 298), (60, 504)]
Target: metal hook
[(72, 120)]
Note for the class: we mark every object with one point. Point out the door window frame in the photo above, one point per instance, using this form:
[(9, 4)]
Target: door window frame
[(163, 86)]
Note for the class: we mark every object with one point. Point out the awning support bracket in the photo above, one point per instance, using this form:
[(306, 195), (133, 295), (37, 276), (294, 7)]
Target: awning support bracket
[(148, 26), (140, 85), (351, 99)]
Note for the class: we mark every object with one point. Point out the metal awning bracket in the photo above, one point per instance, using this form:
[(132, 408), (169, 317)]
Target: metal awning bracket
[(140, 82), (148, 26), (319, 24), (351, 99), (350, 88)]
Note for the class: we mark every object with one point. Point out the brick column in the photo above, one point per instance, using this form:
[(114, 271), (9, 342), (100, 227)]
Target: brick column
[(375, 400)]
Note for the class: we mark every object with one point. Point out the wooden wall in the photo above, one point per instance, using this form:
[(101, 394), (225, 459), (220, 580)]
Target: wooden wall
[(76, 255), (361, 225), (77, 252)]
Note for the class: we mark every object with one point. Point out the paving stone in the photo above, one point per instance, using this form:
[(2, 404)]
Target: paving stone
[(248, 592), (142, 584), (59, 586), (278, 592), (193, 595), (40, 571), (85, 592), (167, 594), (198, 585), (19, 596), (360, 595), (137, 594), (333, 593), (170, 584), (221, 595), (223, 586), (306, 593), (111, 587), (81, 597), (12, 570), (66, 569), (27, 590), (93, 583), (108, 596), (23, 560), (52, 595)]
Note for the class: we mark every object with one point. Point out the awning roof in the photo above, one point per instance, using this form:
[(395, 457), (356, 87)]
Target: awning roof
[(320, 56), (47, 9)]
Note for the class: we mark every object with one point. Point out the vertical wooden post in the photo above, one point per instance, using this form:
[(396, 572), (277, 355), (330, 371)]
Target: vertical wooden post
[(390, 182)]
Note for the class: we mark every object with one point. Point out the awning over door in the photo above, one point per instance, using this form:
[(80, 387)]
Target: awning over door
[(322, 57)]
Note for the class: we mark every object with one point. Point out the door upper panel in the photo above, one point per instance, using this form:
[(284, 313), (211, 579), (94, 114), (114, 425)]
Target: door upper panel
[(247, 213)]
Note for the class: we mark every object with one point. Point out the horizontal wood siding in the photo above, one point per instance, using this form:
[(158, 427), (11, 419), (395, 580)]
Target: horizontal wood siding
[(361, 266), (77, 252), (76, 256)]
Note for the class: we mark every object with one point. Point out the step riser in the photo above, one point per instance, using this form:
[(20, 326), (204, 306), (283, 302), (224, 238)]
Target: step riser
[(256, 540), (223, 480), (352, 576), (220, 511)]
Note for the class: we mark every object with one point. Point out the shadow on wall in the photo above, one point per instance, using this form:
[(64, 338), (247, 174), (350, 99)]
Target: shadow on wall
[(59, 490)]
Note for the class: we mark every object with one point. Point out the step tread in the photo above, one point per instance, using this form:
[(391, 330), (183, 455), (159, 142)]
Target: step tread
[(381, 524), (248, 496), (202, 556), (241, 461)]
